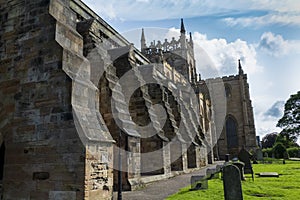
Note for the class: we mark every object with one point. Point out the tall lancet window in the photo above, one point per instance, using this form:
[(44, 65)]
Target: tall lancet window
[(231, 132)]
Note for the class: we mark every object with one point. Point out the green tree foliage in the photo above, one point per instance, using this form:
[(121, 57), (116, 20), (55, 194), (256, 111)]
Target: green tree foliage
[(286, 140), (279, 150), (293, 152), (290, 122)]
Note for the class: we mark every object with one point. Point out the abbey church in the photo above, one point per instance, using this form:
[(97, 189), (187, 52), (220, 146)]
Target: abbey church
[(83, 112)]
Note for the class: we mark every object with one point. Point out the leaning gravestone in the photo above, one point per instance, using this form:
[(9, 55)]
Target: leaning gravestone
[(244, 156), (232, 183)]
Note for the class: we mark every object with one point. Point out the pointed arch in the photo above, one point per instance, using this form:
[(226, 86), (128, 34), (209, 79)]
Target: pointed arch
[(231, 132)]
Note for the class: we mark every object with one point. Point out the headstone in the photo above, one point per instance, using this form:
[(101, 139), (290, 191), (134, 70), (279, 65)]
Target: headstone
[(232, 183), (259, 154), (199, 183), (266, 155), (240, 165), (268, 174), (273, 155), (244, 156)]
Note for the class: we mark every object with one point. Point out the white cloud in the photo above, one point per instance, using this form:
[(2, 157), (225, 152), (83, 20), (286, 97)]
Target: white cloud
[(282, 12), (275, 45), (225, 54), (273, 18), (217, 57)]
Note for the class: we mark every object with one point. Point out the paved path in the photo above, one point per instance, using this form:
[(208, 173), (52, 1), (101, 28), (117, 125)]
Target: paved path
[(164, 188)]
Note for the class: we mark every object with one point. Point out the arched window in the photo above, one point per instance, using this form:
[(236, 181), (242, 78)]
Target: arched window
[(227, 90), (231, 132)]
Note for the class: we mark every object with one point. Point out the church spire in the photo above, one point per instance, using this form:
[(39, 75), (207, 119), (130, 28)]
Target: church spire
[(143, 41), (182, 29), (241, 72)]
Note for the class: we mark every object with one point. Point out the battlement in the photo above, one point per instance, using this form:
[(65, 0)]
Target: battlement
[(225, 78), (167, 46)]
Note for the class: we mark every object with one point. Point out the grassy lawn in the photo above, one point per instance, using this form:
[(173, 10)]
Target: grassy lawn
[(287, 186)]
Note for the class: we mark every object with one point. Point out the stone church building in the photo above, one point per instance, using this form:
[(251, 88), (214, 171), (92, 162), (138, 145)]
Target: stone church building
[(81, 108)]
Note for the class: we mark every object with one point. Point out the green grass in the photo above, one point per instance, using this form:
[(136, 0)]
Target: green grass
[(287, 186)]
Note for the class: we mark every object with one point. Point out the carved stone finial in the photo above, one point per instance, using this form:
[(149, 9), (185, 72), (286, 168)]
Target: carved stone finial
[(182, 29), (143, 41)]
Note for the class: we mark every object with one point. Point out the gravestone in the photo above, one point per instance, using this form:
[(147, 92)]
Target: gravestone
[(268, 174), (199, 183), (259, 154), (232, 183), (240, 165), (266, 155), (244, 156)]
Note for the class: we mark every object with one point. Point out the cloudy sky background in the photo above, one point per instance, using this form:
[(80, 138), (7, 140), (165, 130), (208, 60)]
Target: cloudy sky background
[(264, 34)]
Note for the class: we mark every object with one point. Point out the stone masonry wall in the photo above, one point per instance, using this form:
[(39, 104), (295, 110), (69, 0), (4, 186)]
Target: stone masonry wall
[(44, 156), (42, 118)]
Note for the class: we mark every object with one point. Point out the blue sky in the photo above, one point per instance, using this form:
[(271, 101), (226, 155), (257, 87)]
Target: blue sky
[(265, 34)]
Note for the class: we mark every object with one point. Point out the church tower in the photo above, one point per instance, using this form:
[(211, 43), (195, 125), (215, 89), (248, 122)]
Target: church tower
[(239, 129), (179, 54)]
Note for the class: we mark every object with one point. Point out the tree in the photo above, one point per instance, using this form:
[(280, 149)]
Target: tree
[(290, 122), (286, 140), (279, 150), (269, 140)]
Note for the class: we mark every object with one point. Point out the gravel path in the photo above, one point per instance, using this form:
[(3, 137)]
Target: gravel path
[(164, 188)]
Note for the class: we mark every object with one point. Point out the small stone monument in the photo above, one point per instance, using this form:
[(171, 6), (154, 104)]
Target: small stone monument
[(199, 183), (232, 183), (259, 154), (266, 155)]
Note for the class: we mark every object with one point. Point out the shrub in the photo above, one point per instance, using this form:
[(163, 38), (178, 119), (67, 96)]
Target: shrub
[(279, 150), (293, 151)]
